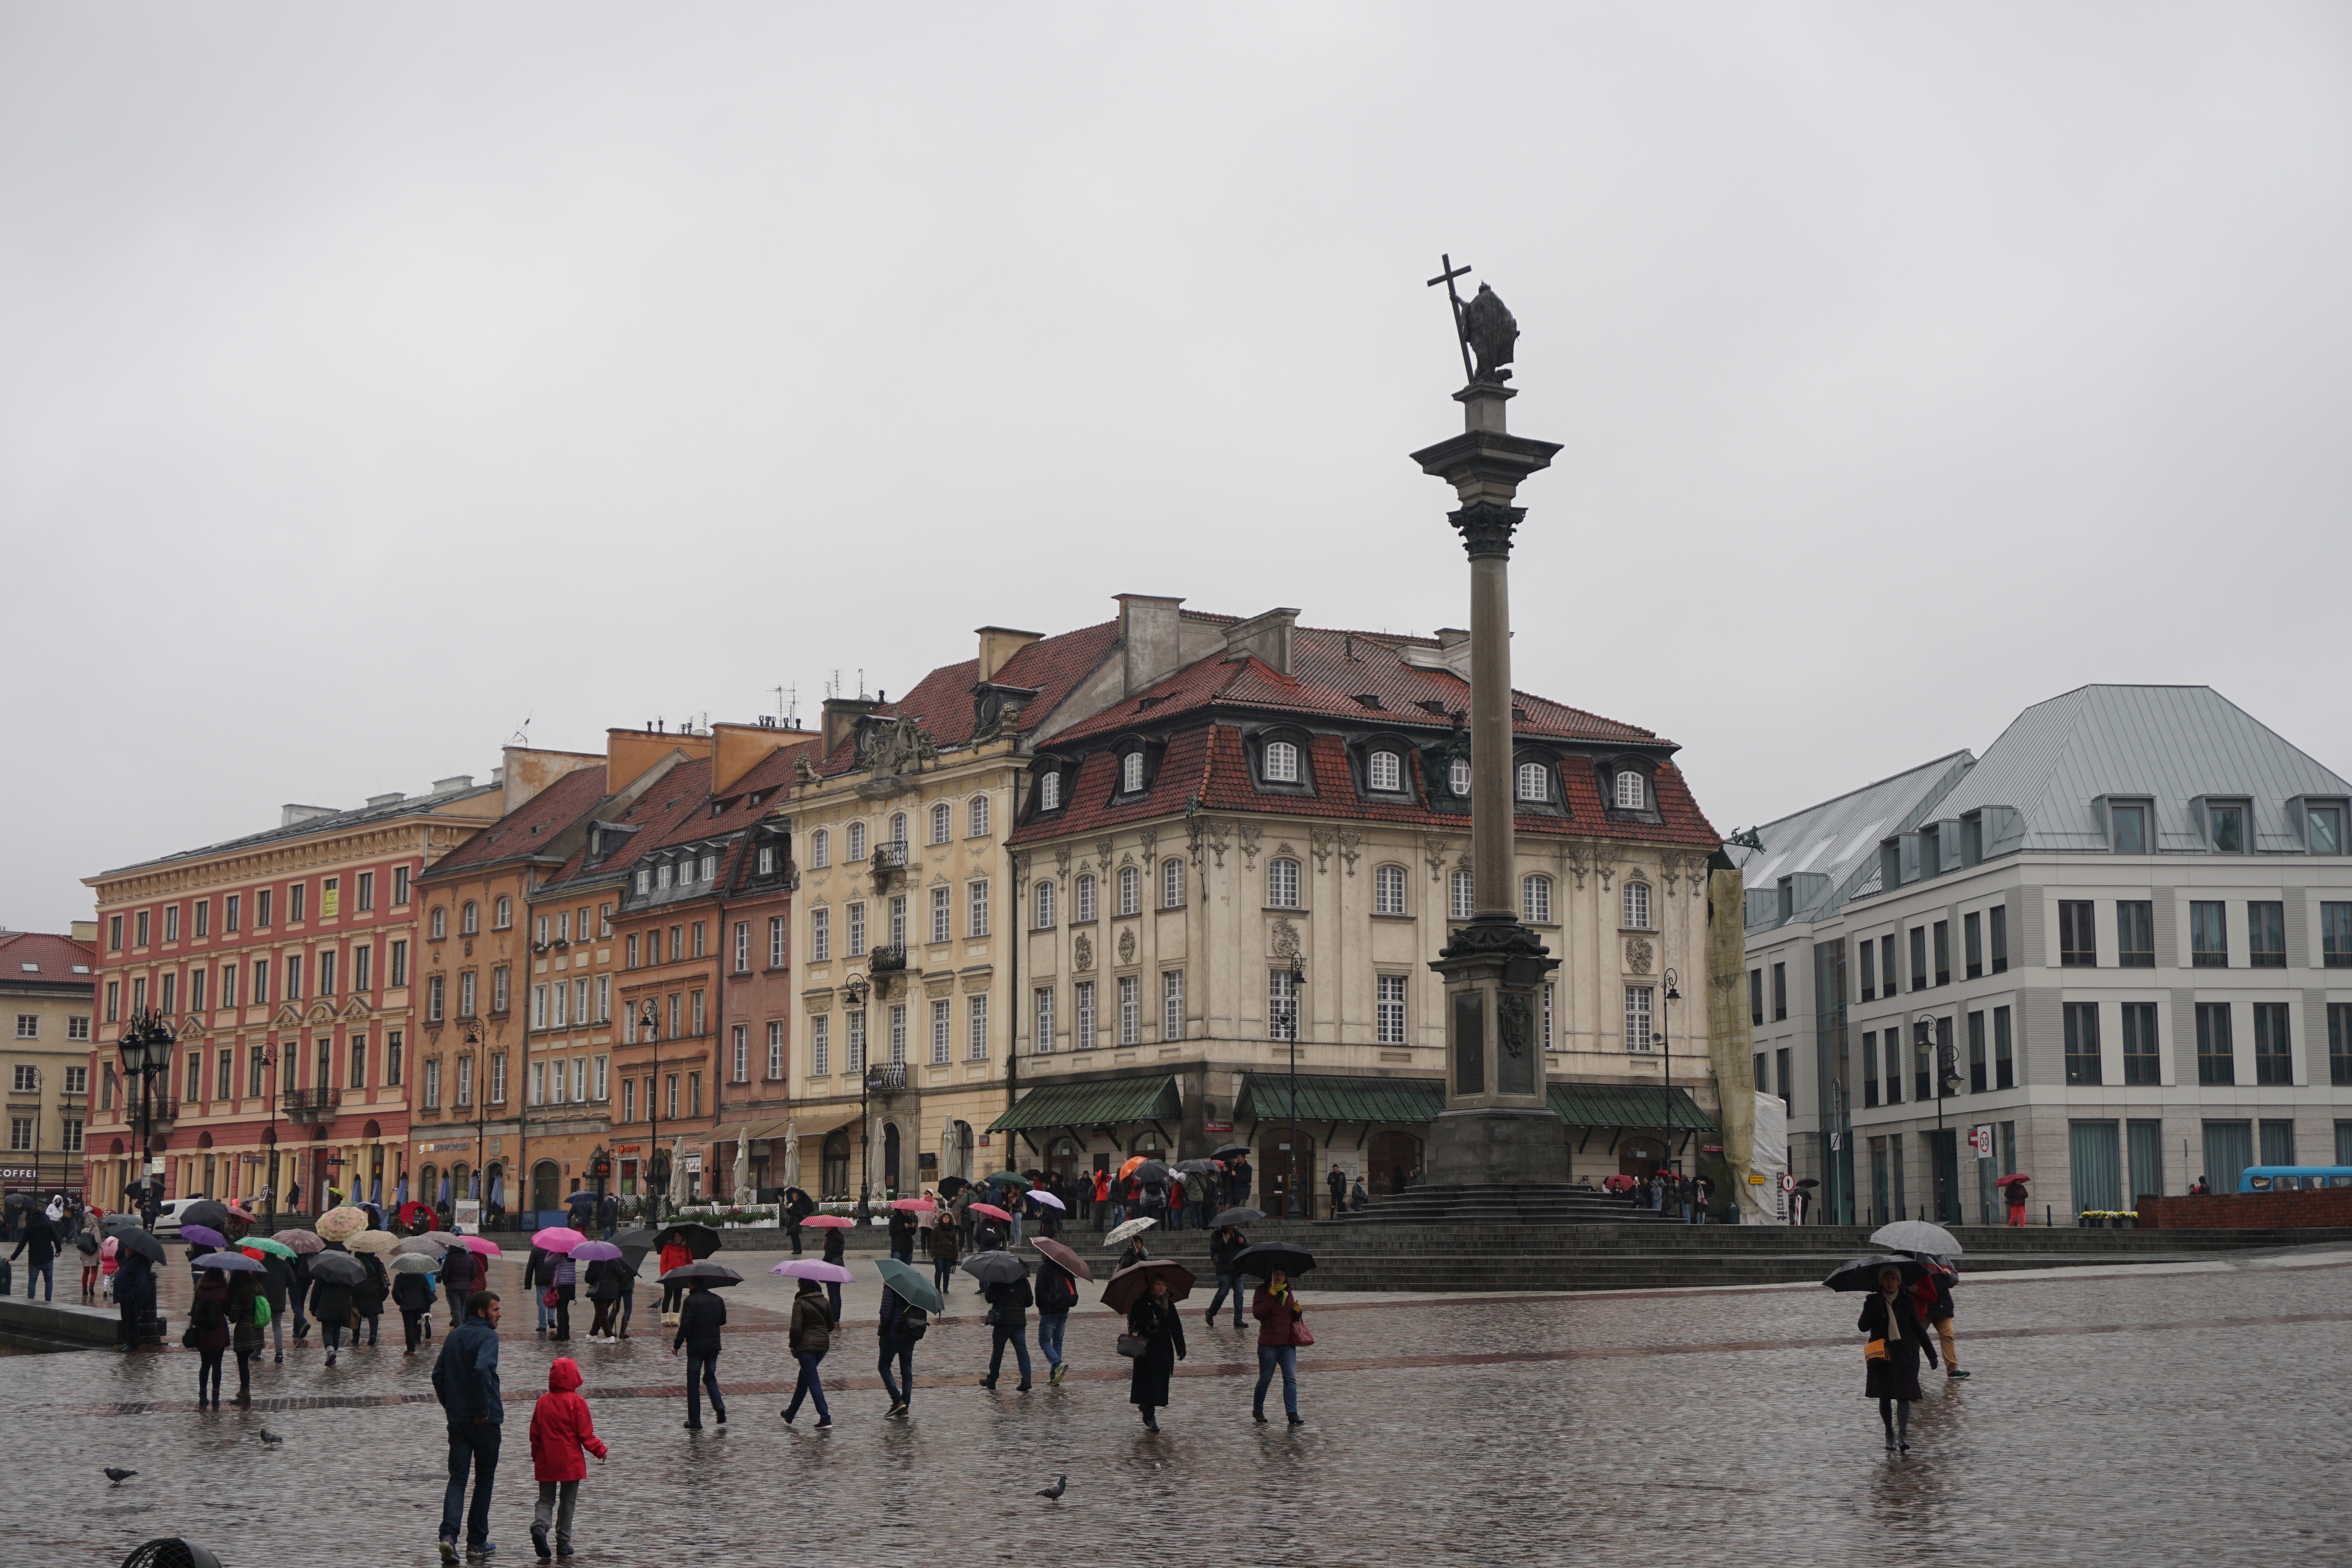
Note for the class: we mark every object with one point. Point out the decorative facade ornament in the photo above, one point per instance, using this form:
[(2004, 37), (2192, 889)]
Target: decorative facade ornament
[(1082, 953), (1694, 867), (1351, 848), (1435, 851), (1021, 869), (1604, 867), (802, 772), (1219, 831), (1062, 860), (897, 745), (1284, 935), (1320, 841), (1639, 954), (1249, 831), (1150, 837), (1579, 862), (1127, 945)]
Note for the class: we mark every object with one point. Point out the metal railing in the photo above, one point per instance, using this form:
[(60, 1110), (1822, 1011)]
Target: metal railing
[(310, 1104), (887, 960)]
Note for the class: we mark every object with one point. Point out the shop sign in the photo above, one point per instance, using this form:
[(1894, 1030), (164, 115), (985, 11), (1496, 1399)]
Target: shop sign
[(19, 1173), (693, 1164), (1216, 1126)]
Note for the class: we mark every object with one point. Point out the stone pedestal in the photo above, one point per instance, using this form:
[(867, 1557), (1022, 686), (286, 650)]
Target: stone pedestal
[(1494, 1146), (1498, 1126)]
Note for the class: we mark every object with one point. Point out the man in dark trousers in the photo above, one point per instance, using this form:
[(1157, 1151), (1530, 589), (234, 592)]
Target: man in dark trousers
[(1337, 1182), (461, 1274), (465, 1381), (608, 1215), (798, 1206), (1238, 1184), (41, 1238)]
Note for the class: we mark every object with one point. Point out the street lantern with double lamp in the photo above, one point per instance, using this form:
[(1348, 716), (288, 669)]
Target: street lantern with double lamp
[(1948, 1081), (1670, 994), (1295, 1177), (146, 1049), (656, 1163)]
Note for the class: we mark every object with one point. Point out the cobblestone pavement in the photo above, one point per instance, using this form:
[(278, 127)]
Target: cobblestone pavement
[(2115, 1415)]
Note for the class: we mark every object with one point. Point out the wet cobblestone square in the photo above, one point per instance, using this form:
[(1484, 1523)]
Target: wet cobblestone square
[(2120, 1415)]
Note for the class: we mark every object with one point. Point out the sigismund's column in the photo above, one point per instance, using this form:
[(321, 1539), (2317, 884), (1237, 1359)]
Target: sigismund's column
[(1498, 1127)]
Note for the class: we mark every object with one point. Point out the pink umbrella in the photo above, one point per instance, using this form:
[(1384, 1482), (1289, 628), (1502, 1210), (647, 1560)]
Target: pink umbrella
[(486, 1248), (830, 1221), (990, 1210), (811, 1269), (1049, 1200), (915, 1205), (558, 1238)]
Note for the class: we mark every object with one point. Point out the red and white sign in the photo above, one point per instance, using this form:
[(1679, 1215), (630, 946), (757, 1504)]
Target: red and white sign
[(1980, 1140)]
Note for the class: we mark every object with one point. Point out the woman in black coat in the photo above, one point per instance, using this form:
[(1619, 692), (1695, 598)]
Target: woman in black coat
[(368, 1295), (331, 1305), (1890, 1315), (1155, 1321)]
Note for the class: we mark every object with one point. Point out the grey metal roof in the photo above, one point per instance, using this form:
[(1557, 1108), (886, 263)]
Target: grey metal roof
[(2171, 743), (331, 822), (1829, 848)]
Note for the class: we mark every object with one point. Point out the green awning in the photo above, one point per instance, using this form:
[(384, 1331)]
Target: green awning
[(1110, 1101), (1324, 1097), (1626, 1105)]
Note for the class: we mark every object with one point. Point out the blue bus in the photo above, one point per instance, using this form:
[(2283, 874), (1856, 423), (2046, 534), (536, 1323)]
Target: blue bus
[(2294, 1179)]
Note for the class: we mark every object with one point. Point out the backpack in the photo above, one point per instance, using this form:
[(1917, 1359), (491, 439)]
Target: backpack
[(1020, 1295), (260, 1312), (204, 1315), (913, 1324), (1057, 1294)]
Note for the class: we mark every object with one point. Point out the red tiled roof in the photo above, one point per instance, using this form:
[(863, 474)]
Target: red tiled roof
[(1052, 667), (529, 827), (1209, 762), (56, 955), (677, 810)]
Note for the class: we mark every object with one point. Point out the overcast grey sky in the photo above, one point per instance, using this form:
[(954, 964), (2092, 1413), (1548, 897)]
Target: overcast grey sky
[(375, 377)]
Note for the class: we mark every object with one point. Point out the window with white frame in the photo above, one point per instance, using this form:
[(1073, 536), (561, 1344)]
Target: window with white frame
[(1049, 792), (898, 1034), (662, 876), (856, 842), (820, 1046), (1172, 1004), (976, 1048), (578, 1078), (820, 935), (1045, 1021), (1282, 883), (1639, 1035), (740, 1061), (767, 860), (1384, 771), (942, 1031), (942, 822), (1534, 900), (644, 881), (1130, 1010), (1043, 901), (775, 1049), (1550, 1039), (709, 873), (603, 1078), (1281, 762), (898, 920), (1082, 1022), (538, 1006), (942, 914), (1086, 899), (978, 827), (1535, 781), (1637, 906), (1462, 896), (853, 913), (1633, 791), (1130, 891), (743, 946), (1388, 890), (1457, 776), (1131, 773), (976, 896), (433, 1083), (775, 941), (1389, 1009), (1171, 884), (820, 850), (897, 827), (1281, 1006), (856, 1042)]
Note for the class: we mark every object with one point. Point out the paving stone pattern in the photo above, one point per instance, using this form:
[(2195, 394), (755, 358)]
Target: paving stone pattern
[(2132, 1415)]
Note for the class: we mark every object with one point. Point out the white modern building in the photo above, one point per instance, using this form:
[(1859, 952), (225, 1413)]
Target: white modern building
[(2114, 953)]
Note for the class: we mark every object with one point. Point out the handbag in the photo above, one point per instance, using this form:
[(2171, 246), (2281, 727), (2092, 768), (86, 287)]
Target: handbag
[(1874, 1351), (1132, 1346), (1300, 1334), (549, 1300)]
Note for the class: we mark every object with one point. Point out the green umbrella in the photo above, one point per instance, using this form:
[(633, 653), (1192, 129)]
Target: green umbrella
[(263, 1244), (908, 1281), (1008, 1179)]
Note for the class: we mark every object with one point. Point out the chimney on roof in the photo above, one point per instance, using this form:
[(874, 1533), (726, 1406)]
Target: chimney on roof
[(1150, 639), (1267, 637), (376, 800), (455, 781), (841, 716), (288, 816), (997, 647), (84, 930)]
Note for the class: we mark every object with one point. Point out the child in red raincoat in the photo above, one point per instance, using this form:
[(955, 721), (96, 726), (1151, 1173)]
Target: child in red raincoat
[(675, 1254), (560, 1428)]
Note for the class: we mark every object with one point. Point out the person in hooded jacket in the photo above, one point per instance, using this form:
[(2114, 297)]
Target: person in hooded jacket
[(412, 1294), (1889, 1313), (1155, 1321), (1057, 1292), (947, 1243), (675, 1254), (1008, 1315), (896, 1331), (330, 1303), (699, 1318), (560, 1428), (208, 1332), (367, 1296), (245, 1333), (810, 1337), (1223, 1248)]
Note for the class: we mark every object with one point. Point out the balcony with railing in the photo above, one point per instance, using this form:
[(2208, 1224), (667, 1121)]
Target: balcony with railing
[(886, 1078), (886, 961), (310, 1104), (161, 1107)]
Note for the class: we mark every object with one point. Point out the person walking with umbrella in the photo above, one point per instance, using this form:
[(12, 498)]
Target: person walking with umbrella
[(563, 1278), (798, 1206), (277, 1262), (1933, 1297), (134, 1284), (675, 1254), (1897, 1340), (837, 1248), (1057, 1292), (810, 1337), (412, 1294), (608, 1215), (297, 1291), (1280, 1332), (902, 1323), (2013, 1188), (367, 1296), (207, 1333), (466, 1381), (1154, 1320), (331, 1296), (1009, 1300), (603, 1283), (902, 1233), (1223, 1247), (947, 1245), (245, 1311), (700, 1316)]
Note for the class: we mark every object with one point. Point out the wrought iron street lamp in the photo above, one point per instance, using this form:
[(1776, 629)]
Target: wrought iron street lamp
[(1290, 1029), (1669, 996), (146, 1049)]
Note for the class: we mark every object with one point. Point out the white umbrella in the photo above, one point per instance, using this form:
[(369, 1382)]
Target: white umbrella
[(1916, 1236), (1119, 1233)]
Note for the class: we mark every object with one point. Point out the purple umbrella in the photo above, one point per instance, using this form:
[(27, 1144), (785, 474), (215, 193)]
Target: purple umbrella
[(205, 1235), (596, 1252), (812, 1268)]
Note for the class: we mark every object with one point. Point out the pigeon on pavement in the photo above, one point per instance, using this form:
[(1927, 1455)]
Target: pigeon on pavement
[(270, 1439), (119, 1477), (1061, 1484)]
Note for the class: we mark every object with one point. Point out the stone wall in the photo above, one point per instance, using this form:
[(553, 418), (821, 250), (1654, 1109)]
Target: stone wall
[(2248, 1210)]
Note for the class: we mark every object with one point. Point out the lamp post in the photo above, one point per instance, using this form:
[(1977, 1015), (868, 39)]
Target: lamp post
[(481, 1089), (1290, 1028), (649, 1019), (853, 996), (1947, 1079), (1668, 996), (146, 1049)]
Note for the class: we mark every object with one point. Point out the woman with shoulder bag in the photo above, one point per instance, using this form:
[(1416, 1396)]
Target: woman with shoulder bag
[(1281, 1331), (207, 1333), (1897, 1341), (1159, 1330), (249, 1311), (810, 1338), (947, 1244)]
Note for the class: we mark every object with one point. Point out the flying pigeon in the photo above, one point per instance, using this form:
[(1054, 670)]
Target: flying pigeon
[(1061, 1484), (119, 1477), (270, 1439)]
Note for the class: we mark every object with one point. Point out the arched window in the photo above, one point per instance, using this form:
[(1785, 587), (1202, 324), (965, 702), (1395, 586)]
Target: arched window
[(440, 922), (1535, 782), (856, 842), (1281, 762), (506, 912), (979, 825), (942, 823), (1388, 890), (1049, 792), (1633, 793), (1534, 900), (1385, 771), (1130, 894), (1282, 883), (1044, 903), (897, 827), (471, 921), (1457, 776), (1462, 902), (821, 848), (1131, 773), (545, 1192), (1172, 885), (1085, 896), (1637, 906)]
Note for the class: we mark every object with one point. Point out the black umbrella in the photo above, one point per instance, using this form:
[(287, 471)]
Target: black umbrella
[(1198, 1167), (708, 1272), (1229, 1150), (700, 1239), (337, 1268), (1151, 1173), (1237, 1217), (633, 1245), (952, 1185), (23, 1200), (143, 1242), (1807, 1181), (1266, 1257), (994, 1268), (1130, 1284), (210, 1213), (1862, 1273), (584, 1196)]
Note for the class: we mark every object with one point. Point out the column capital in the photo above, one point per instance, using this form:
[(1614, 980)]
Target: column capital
[(1487, 528)]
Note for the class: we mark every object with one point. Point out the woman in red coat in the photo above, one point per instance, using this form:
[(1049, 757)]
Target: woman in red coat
[(1279, 1334), (560, 1428)]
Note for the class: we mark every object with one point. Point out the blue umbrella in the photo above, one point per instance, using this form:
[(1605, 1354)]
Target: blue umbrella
[(376, 1189), (498, 1186), (400, 1191), (445, 1189)]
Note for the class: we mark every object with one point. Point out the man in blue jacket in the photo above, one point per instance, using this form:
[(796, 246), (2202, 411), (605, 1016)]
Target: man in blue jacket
[(465, 1381)]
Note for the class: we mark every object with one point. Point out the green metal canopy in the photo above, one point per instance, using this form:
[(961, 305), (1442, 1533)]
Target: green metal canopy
[(1324, 1097), (1108, 1101), (1626, 1105)]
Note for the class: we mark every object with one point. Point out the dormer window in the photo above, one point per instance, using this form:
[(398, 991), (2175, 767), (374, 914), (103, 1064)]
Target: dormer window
[(2323, 830), (2225, 826), (645, 882), (1384, 771), (662, 874), (1535, 782), (767, 860), (1049, 792), (1282, 763), (1131, 773), (711, 868), (1632, 791), (2129, 824), (1457, 776)]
